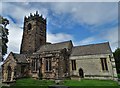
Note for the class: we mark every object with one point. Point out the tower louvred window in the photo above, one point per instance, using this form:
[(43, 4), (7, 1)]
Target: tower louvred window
[(29, 26)]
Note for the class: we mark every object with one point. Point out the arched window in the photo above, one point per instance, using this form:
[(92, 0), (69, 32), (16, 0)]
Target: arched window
[(29, 26), (81, 73), (48, 64), (34, 64), (9, 73)]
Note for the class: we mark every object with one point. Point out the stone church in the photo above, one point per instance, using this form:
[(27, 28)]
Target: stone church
[(42, 60)]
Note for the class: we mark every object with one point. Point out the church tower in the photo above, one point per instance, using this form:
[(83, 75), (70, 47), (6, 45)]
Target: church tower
[(34, 33)]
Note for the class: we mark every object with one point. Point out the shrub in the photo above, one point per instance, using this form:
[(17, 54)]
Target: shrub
[(119, 76)]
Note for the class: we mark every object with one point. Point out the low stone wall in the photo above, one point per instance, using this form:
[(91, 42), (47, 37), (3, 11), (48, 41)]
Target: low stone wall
[(94, 77)]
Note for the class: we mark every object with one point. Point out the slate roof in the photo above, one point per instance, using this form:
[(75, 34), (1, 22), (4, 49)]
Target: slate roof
[(55, 46), (20, 58), (92, 49)]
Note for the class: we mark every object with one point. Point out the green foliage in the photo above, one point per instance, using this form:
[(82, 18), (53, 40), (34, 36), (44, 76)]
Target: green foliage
[(3, 34), (119, 76), (117, 54), (40, 76), (117, 59), (4, 21)]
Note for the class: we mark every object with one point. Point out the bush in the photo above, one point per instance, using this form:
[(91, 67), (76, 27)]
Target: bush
[(40, 76), (119, 76)]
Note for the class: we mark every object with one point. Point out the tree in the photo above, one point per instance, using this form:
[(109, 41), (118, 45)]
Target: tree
[(117, 59), (3, 36)]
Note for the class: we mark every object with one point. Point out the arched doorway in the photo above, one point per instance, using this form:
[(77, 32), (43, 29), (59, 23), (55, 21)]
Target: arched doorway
[(81, 73), (9, 73)]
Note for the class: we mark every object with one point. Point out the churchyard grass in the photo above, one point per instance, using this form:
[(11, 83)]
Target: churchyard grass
[(84, 83), (87, 82), (33, 82)]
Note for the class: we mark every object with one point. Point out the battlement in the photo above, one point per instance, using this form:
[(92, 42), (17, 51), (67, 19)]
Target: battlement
[(36, 16)]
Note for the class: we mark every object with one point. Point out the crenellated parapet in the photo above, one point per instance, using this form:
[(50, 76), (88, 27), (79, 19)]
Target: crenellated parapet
[(36, 16)]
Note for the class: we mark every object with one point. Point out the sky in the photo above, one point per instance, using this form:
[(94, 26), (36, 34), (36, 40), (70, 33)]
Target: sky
[(82, 22)]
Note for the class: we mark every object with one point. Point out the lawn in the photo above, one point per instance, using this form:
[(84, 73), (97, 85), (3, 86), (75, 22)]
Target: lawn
[(90, 83), (32, 83)]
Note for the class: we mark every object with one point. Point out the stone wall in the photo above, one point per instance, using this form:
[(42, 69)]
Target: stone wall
[(59, 64), (34, 34), (11, 63), (92, 67)]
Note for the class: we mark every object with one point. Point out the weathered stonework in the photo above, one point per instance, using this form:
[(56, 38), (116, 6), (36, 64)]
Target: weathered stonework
[(42, 60), (92, 68), (34, 34)]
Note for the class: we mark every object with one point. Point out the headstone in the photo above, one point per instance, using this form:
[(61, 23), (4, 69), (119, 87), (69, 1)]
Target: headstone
[(58, 81)]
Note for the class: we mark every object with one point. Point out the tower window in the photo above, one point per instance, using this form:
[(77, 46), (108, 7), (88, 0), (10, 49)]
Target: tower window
[(104, 64), (29, 26)]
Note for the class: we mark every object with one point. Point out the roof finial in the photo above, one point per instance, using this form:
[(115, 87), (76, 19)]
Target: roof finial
[(31, 14), (25, 18), (36, 12), (41, 15)]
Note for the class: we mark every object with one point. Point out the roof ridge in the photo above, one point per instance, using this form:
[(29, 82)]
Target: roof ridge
[(61, 42), (54, 46), (15, 53), (91, 44)]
